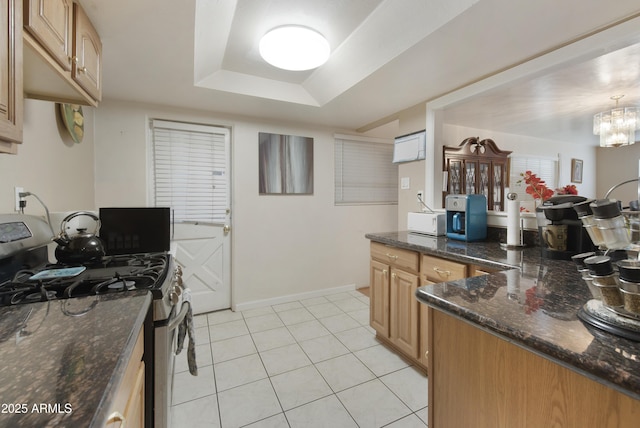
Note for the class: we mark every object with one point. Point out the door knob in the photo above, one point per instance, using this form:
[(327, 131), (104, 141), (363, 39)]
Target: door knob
[(226, 228)]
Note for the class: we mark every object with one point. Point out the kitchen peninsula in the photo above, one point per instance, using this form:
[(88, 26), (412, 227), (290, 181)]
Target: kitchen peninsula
[(506, 349)]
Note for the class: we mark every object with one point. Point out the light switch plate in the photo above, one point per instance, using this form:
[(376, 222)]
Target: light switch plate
[(405, 183)]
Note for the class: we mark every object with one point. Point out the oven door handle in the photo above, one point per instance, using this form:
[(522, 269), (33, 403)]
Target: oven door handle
[(180, 317)]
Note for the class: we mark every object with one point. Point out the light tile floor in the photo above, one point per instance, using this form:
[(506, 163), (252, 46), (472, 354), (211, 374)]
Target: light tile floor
[(310, 363)]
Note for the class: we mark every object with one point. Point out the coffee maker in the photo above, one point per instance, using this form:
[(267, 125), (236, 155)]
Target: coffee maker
[(560, 230), (466, 217)]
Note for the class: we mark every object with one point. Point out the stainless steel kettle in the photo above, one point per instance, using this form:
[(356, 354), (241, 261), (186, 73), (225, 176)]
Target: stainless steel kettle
[(83, 247)]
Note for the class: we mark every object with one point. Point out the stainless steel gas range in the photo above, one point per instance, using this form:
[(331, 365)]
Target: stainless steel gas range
[(27, 276)]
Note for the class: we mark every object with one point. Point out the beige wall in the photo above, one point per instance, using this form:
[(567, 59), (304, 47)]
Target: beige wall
[(49, 164), (281, 245), (410, 121), (614, 166)]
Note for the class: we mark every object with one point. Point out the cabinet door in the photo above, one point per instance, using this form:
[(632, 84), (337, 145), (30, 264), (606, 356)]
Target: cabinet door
[(499, 171), (470, 177), (379, 297), (425, 325), (404, 312), (10, 75), (87, 49), (50, 23)]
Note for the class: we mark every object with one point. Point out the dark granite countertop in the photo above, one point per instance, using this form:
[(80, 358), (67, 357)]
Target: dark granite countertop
[(63, 360), (532, 303)]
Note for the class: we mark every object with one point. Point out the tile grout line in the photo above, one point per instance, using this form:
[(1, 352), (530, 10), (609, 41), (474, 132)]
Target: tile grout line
[(312, 363)]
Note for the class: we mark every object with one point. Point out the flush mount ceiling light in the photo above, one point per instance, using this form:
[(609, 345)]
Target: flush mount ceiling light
[(293, 47), (616, 127)]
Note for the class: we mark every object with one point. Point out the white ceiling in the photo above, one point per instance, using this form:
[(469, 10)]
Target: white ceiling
[(387, 56)]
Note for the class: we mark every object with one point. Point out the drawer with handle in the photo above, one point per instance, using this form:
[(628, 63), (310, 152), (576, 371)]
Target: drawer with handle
[(437, 270), (396, 257)]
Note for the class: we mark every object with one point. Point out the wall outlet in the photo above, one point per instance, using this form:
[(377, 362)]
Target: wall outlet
[(18, 190)]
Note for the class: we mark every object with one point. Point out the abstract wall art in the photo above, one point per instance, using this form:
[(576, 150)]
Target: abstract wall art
[(285, 164)]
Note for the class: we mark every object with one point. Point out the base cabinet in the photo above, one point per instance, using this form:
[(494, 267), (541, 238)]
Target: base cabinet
[(128, 404), (395, 313), (479, 380)]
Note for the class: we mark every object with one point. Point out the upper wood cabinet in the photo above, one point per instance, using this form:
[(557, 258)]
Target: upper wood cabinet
[(62, 53), (10, 75), (50, 22), (476, 167)]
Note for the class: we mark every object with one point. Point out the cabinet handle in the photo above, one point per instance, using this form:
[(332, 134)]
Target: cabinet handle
[(426, 354), (384, 272), (393, 275), (75, 59), (82, 70), (442, 272), (116, 417), (391, 256)]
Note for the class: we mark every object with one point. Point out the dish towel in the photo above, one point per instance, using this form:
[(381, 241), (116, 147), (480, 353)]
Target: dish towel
[(186, 326)]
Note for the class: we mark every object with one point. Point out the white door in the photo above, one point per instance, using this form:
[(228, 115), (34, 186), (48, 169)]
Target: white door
[(192, 176), (203, 252)]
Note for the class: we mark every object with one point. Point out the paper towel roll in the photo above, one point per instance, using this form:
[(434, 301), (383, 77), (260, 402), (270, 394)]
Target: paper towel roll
[(513, 220)]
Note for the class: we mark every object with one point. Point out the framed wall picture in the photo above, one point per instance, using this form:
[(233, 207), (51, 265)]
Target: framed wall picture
[(286, 164), (576, 170)]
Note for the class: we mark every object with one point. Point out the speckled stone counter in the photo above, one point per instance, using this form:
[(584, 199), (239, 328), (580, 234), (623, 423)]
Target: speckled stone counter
[(63, 360), (533, 303)]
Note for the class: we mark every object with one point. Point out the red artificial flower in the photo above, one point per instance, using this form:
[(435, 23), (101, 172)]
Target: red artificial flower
[(536, 187), (569, 189)]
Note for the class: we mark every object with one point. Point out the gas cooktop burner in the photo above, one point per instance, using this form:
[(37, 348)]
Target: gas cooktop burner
[(114, 274)]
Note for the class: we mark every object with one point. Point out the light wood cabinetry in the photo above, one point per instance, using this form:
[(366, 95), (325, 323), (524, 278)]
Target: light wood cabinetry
[(436, 269), (50, 22), (62, 53), (404, 312), (395, 313), (393, 307), (128, 405), (10, 75), (477, 379)]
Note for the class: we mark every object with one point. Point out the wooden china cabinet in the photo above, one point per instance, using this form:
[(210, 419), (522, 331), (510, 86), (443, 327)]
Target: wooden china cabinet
[(477, 167)]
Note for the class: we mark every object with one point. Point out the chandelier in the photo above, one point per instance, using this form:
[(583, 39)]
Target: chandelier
[(293, 47), (617, 127)]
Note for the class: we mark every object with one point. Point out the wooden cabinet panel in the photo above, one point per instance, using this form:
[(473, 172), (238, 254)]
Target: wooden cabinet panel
[(10, 75), (128, 402), (379, 297), (62, 53), (396, 257), (87, 49), (404, 314), (50, 23), (425, 325), (480, 380), (438, 270)]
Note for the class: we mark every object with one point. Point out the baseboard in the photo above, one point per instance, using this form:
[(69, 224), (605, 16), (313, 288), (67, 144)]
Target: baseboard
[(292, 297)]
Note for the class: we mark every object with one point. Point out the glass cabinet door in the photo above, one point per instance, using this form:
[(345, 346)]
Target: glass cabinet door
[(498, 186), (470, 178), (455, 177), (484, 182)]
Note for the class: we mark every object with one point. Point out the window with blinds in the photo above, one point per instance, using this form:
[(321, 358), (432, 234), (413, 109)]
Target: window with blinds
[(190, 170), (364, 172), (544, 167)]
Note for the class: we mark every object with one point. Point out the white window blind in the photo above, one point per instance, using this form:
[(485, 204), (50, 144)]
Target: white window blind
[(364, 172), (545, 168), (190, 170)]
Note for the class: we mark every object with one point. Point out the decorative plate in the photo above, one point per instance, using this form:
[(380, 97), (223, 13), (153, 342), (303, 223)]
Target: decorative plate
[(73, 120)]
